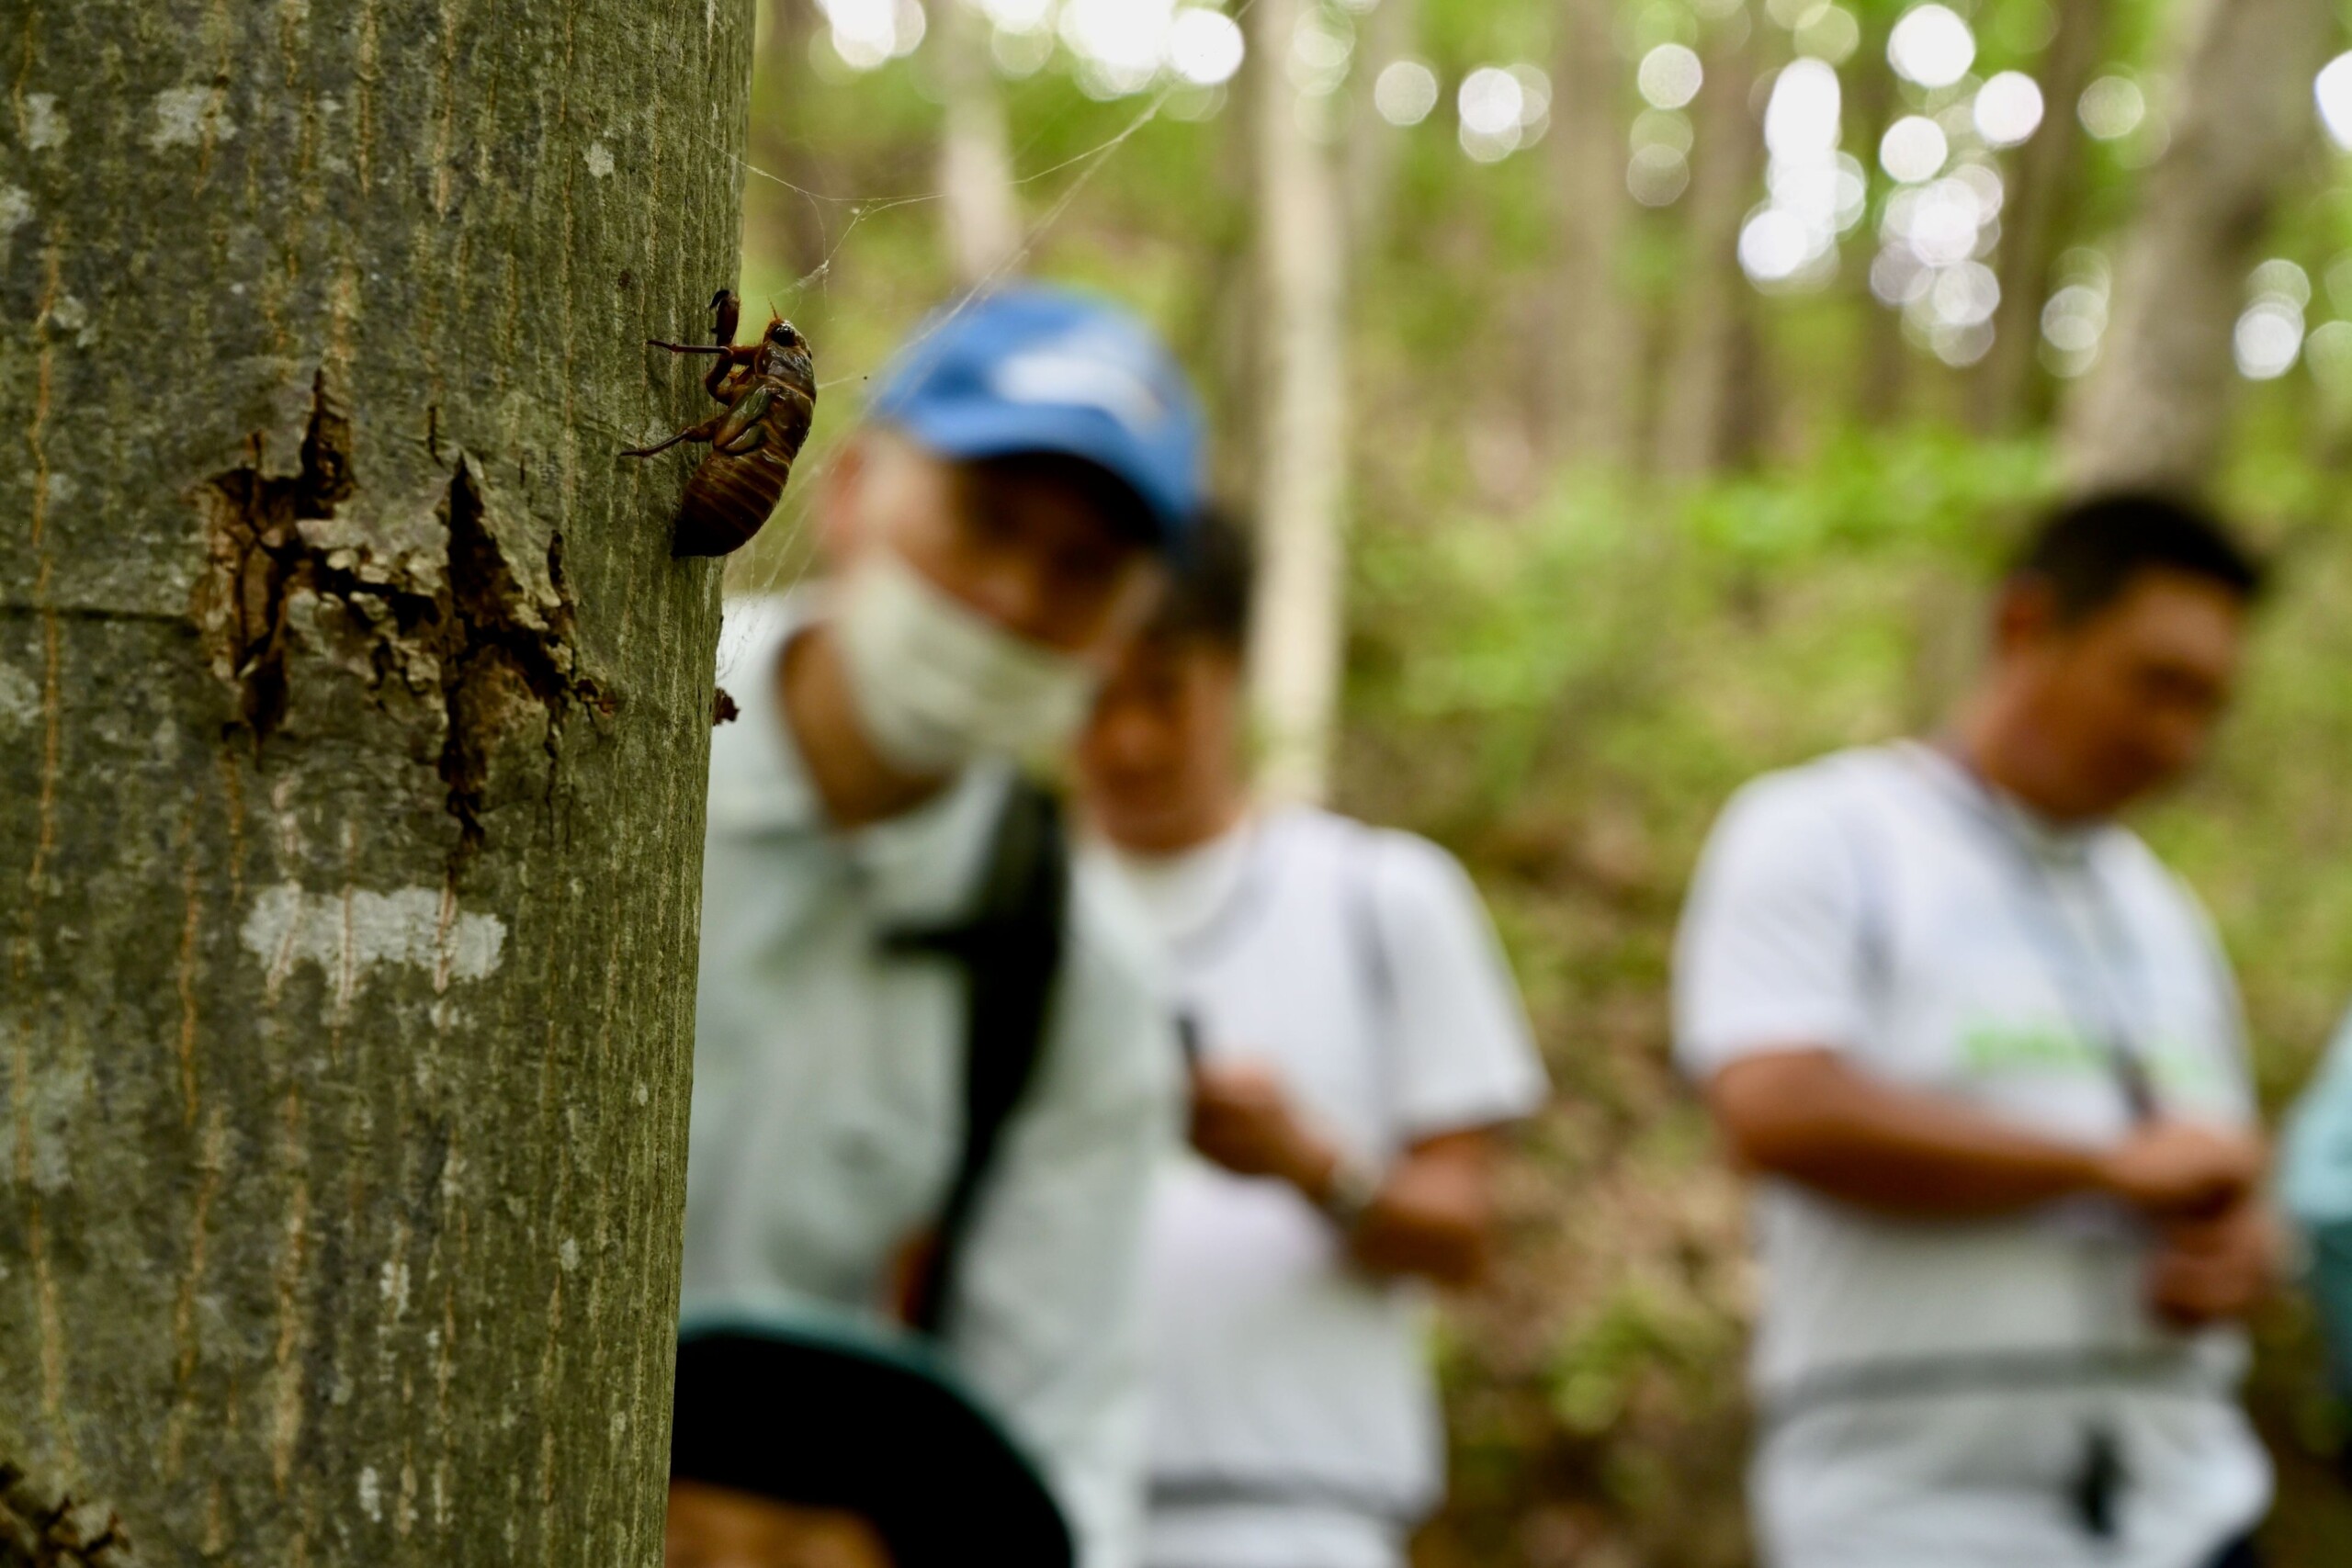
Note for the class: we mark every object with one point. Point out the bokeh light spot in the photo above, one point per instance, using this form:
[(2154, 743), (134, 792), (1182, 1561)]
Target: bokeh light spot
[(2007, 109), (2333, 89), (1914, 150), (1205, 47), (1489, 102), (1405, 92), (1670, 75), (1931, 45), (2112, 107), (1773, 245), (1657, 175), (1829, 33), (2269, 340), (1801, 119), (2282, 280)]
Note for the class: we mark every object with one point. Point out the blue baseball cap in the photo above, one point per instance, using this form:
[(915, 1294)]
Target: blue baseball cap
[(1031, 368)]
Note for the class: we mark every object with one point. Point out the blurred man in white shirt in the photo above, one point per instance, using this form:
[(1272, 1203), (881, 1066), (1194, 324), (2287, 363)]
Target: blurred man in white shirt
[(1358, 1041), (1984, 1054)]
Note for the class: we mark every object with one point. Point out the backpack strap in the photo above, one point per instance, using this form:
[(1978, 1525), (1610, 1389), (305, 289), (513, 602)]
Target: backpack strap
[(1375, 968), (1009, 948)]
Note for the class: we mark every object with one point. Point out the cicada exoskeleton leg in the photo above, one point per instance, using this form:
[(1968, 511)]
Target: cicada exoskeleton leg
[(702, 432)]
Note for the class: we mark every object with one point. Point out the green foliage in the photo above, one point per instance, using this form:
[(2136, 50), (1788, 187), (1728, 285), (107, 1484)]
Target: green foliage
[(1639, 1334)]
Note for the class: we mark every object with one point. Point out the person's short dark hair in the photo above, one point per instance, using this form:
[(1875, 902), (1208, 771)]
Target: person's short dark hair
[(1109, 497), (1210, 587), (2088, 552)]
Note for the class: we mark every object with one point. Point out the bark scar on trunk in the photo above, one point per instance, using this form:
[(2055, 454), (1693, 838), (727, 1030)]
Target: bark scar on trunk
[(490, 632), (43, 1526)]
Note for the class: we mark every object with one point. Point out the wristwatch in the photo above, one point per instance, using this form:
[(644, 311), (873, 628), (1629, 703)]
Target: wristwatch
[(1353, 1190)]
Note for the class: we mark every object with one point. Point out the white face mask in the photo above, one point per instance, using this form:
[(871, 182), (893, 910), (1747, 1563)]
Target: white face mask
[(936, 683)]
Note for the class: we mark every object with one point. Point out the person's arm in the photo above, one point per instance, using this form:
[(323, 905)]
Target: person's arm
[(1810, 1116), (1434, 1217), (1430, 1214)]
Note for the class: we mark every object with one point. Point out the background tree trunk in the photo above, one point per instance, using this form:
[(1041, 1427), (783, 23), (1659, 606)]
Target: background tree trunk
[(2154, 410), (1391, 33), (1699, 409), (354, 719), (1594, 386), (797, 206), (1295, 637), (1883, 378), (975, 164), (2033, 220)]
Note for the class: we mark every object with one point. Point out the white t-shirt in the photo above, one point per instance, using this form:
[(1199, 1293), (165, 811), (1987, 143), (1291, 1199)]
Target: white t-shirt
[(1929, 1388), (828, 1099), (1294, 1422)]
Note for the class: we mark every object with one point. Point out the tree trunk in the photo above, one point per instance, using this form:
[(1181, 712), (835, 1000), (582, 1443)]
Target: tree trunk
[(2040, 196), (975, 164), (1594, 386), (794, 203), (2154, 408), (1699, 412), (354, 719), (1391, 33), (1882, 387), (1295, 637)]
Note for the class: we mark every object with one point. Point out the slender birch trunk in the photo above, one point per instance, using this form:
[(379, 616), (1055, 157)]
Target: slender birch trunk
[(1294, 639), (975, 162), (1594, 351), (355, 715), (2155, 407), (1391, 33)]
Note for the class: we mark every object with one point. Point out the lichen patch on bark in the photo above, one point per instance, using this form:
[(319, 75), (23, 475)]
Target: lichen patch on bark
[(476, 648), (348, 934)]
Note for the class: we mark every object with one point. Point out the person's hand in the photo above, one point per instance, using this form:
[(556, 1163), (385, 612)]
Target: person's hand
[(1243, 1121), (2215, 1270), (2181, 1170)]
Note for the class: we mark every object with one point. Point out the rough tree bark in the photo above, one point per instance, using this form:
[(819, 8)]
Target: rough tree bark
[(974, 163), (2154, 410), (1295, 637), (2041, 196), (353, 718), (1699, 403), (1595, 383)]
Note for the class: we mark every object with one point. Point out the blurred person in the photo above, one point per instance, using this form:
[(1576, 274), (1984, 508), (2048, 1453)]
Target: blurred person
[(1358, 1041), (1984, 1055), (810, 1442), (933, 1075), (2315, 1184)]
